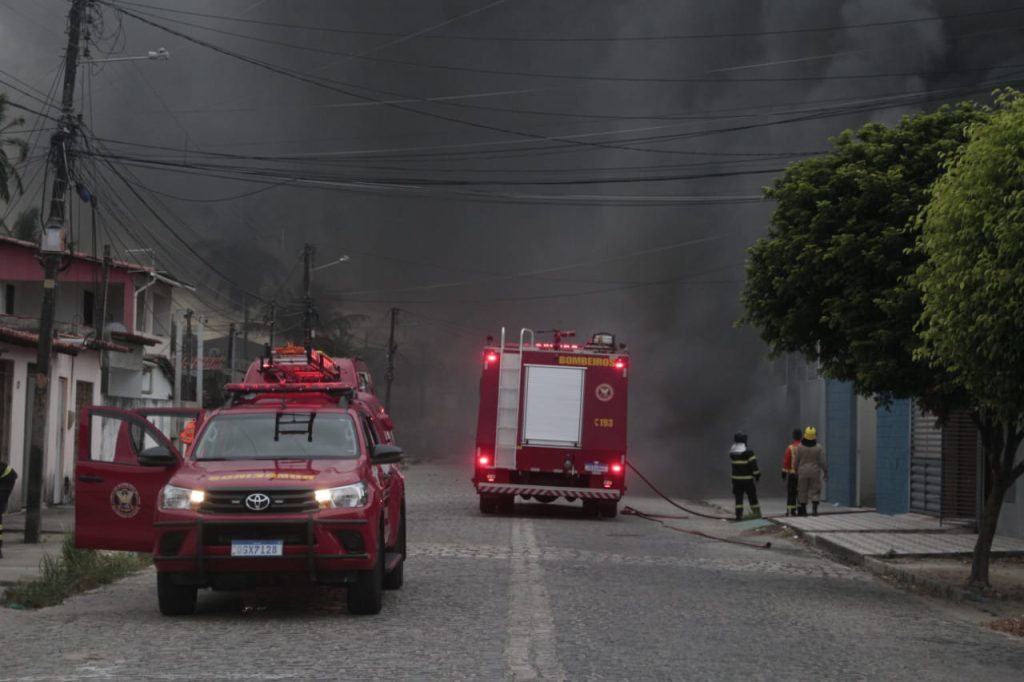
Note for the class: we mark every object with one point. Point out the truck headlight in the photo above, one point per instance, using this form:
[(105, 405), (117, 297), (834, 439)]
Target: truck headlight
[(346, 496), (173, 497)]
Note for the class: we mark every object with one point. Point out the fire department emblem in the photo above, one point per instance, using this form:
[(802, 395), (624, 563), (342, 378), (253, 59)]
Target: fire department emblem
[(124, 500), (604, 392)]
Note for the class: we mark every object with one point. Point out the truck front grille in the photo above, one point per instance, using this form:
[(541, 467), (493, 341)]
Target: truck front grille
[(281, 501), (223, 533)]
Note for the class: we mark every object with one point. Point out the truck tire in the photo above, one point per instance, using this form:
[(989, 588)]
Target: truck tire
[(506, 504), (364, 596), (395, 579), (175, 600), (488, 504), (609, 510)]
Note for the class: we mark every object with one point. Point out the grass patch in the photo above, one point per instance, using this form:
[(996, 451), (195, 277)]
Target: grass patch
[(73, 571)]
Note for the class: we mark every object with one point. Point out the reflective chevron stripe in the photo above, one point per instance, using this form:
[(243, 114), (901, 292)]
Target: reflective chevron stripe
[(517, 489)]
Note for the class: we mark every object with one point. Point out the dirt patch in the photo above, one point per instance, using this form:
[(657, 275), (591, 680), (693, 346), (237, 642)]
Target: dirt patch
[(1014, 625)]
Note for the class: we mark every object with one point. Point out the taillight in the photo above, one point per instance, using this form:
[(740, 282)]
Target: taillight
[(483, 460), (616, 468), (620, 363), (608, 483)]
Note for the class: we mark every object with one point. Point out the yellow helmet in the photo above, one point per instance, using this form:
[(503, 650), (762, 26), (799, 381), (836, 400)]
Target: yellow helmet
[(810, 433)]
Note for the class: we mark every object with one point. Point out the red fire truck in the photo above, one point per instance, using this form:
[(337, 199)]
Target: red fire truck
[(552, 422), (295, 479)]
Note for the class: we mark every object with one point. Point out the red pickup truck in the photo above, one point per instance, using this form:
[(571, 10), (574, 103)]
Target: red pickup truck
[(290, 482)]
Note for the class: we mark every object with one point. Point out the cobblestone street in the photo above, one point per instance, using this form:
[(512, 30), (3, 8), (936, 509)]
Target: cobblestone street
[(544, 594)]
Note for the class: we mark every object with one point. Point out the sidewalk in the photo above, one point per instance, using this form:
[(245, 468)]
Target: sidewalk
[(21, 561), (913, 549)]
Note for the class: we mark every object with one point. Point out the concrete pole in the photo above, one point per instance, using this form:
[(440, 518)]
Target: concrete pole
[(178, 352), (201, 326)]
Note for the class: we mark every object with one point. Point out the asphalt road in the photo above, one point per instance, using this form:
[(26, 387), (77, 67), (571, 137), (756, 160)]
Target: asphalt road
[(545, 594)]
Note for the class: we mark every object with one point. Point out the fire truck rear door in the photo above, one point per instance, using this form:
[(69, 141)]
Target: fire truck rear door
[(116, 495), (553, 405)]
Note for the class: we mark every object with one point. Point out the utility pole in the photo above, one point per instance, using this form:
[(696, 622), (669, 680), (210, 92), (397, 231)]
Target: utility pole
[(231, 353), (271, 321), (200, 365), (187, 348), (178, 351), (389, 376), (307, 285), (245, 333), (51, 251)]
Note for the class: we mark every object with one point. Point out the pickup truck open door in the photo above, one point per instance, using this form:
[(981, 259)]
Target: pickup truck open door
[(123, 461)]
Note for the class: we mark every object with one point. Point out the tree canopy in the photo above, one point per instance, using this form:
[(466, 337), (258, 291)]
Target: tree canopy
[(830, 279), (972, 270), (8, 172)]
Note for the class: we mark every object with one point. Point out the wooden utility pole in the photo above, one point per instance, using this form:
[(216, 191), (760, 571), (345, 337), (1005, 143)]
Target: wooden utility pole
[(51, 252), (389, 376)]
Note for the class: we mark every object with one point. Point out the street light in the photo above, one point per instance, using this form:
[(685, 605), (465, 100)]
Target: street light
[(160, 53), (327, 265)]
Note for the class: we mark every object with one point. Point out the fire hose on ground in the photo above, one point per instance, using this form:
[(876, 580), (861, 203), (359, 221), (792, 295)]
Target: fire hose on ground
[(660, 518)]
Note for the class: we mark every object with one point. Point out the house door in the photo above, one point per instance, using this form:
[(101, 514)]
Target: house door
[(62, 424), (6, 400), (960, 467), (30, 392), (925, 463)]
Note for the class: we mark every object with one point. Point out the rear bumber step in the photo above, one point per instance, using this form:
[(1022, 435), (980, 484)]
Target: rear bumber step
[(541, 490)]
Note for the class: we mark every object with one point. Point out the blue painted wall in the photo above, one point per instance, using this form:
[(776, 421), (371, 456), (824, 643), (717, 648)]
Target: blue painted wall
[(841, 442), (892, 463)]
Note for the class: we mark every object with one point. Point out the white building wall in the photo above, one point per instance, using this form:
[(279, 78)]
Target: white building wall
[(59, 457), (1011, 518)]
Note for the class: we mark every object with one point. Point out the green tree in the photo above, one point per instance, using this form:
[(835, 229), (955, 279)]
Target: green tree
[(972, 280), (829, 280), (8, 172), (26, 225)]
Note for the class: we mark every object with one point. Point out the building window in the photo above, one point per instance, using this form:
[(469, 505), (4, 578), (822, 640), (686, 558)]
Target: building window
[(147, 381), (88, 309), (9, 299)]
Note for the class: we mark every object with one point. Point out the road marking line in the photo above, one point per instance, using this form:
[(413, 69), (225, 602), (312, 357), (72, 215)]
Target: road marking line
[(530, 647)]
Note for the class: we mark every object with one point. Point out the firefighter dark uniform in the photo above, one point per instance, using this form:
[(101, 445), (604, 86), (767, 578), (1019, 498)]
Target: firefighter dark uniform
[(745, 475), (789, 474), (7, 478)]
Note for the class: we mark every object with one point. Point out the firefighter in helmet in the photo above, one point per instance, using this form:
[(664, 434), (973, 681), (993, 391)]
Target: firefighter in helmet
[(789, 474), (811, 466), (745, 475)]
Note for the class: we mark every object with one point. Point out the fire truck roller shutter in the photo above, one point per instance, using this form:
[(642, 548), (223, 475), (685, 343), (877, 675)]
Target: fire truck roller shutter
[(553, 405)]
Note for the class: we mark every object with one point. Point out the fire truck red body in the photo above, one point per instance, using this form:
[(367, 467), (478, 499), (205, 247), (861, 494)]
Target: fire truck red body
[(552, 423)]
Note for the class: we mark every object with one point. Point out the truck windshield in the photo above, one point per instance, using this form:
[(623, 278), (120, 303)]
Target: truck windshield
[(281, 435)]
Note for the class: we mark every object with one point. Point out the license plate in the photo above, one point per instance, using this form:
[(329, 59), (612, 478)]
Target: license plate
[(257, 547), (596, 468)]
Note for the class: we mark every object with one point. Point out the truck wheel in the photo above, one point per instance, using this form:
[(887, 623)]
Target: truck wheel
[(488, 505), (364, 596), (395, 579), (175, 600), (506, 504), (609, 510)]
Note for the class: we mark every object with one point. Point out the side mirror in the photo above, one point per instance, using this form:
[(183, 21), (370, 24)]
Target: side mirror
[(157, 456), (385, 453)]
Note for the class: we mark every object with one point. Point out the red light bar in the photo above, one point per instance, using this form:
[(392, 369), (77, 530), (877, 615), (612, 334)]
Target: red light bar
[(318, 387)]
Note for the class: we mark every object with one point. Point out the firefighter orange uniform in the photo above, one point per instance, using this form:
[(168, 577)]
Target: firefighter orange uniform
[(745, 474), (7, 478), (789, 473)]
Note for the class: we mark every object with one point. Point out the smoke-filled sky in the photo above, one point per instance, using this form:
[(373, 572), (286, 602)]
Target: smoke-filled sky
[(581, 164)]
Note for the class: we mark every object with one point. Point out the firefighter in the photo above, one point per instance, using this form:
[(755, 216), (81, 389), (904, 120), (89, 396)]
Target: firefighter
[(810, 467), (7, 478), (745, 476), (789, 474)]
